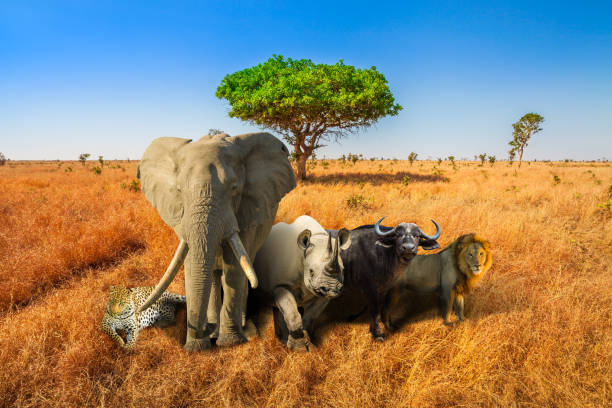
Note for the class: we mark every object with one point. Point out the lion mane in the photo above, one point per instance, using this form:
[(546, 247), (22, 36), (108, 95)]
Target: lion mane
[(461, 245)]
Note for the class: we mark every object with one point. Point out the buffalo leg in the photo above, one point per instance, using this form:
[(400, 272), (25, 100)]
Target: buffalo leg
[(386, 311), (459, 307), (447, 300), (375, 319)]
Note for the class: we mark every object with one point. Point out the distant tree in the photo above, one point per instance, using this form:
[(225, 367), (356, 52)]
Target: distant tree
[(439, 161), (527, 126), (482, 158), (83, 157), (412, 157), (2, 159), (212, 132), (492, 160), (101, 160), (452, 160), (511, 156), (308, 103)]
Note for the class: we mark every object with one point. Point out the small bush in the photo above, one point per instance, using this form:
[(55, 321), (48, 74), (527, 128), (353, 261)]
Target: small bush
[(405, 180), (356, 201), (135, 186), (412, 157), (556, 180), (97, 170), (482, 158)]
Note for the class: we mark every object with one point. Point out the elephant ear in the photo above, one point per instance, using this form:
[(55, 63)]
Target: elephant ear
[(157, 171), (268, 177)]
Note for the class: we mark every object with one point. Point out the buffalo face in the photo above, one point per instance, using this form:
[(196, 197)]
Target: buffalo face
[(406, 239)]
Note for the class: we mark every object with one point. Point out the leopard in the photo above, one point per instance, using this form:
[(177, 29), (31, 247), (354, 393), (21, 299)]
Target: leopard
[(122, 313)]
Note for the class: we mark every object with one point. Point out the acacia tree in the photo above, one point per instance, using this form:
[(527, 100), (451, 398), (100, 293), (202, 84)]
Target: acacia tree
[(527, 126), (2, 159), (308, 103), (83, 158)]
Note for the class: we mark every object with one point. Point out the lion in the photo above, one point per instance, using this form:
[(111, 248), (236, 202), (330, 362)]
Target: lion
[(452, 272)]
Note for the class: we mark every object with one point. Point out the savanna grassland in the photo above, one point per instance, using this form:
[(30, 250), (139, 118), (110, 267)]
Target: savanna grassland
[(538, 329)]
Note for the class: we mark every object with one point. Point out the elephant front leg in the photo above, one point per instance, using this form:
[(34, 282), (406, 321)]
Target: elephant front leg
[(197, 288), (298, 338), (235, 286)]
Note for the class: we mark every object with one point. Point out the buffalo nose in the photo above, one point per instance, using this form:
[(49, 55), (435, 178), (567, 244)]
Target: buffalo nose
[(408, 247)]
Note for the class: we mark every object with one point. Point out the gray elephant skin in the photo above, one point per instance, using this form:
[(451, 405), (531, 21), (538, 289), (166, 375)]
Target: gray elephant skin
[(299, 265), (220, 194)]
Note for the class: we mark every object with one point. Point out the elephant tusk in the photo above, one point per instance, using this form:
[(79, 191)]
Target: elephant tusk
[(243, 257), (175, 264)]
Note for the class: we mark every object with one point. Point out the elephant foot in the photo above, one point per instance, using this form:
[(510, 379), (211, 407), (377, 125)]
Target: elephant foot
[(300, 343), (250, 330), (213, 329), (195, 345), (226, 340)]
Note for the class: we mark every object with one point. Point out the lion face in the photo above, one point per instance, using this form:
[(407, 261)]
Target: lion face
[(475, 257)]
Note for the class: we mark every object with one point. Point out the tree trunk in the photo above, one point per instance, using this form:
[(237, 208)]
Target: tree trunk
[(520, 158), (301, 166)]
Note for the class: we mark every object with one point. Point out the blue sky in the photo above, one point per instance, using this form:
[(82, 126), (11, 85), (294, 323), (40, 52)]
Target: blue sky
[(106, 78)]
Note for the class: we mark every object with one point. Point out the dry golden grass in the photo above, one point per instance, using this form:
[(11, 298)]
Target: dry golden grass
[(539, 328)]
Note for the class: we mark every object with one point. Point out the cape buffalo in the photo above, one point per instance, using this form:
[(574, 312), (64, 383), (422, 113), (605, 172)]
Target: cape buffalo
[(375, 259)]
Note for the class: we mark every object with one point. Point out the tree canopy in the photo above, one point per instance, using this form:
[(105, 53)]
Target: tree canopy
[(527, 126), (306, 102)]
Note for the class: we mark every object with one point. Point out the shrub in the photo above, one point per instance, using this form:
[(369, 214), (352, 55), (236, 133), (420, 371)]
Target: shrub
[(412, 157), (556, 180), (492, 160), (97, 170), (83, 158), (355, 201), (135, 186), (2, 159), (482, 158)]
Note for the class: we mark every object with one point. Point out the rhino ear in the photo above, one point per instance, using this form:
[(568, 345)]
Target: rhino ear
[(344, 237), (157, 171), (303, 240)]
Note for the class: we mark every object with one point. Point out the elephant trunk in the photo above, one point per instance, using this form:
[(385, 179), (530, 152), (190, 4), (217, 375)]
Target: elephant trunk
[(175, 264)]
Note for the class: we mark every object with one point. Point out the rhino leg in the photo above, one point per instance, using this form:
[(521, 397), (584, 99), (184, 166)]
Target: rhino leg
[(287, 305), (280, 327)]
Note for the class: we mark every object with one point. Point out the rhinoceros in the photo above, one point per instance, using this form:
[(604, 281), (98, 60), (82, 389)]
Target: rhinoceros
[(299, 266)]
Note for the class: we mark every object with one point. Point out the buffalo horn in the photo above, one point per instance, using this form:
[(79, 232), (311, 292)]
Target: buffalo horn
[(437, 234), (379, 232)]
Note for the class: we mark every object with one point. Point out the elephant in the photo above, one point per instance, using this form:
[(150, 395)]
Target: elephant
[(220, 194)]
